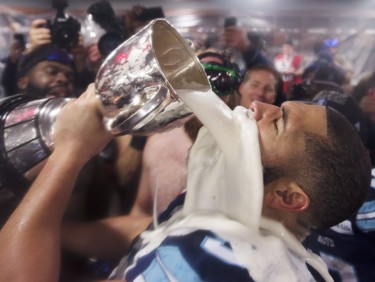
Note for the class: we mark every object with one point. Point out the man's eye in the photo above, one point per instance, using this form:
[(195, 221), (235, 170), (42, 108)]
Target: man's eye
[(51, 71)]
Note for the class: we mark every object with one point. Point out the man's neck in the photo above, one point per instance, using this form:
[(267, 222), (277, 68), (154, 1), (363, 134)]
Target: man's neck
[(297, 228)]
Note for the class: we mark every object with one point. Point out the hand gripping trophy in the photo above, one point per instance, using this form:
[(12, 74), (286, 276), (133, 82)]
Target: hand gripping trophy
[(136, 89)]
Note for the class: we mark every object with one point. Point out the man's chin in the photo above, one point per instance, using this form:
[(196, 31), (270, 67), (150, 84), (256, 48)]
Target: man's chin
[(56, 94), (41, 93)]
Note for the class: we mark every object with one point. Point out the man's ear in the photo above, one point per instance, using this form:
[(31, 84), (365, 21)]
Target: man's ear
[(240, 89), (286, 195), (22, 82)]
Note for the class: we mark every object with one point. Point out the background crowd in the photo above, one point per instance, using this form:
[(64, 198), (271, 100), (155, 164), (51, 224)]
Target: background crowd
[(132, 170)]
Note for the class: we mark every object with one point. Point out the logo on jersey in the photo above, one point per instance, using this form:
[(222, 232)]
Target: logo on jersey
[(344, 227)]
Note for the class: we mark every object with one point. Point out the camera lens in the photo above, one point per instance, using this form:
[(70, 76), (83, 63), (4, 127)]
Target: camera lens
[(65, 37)]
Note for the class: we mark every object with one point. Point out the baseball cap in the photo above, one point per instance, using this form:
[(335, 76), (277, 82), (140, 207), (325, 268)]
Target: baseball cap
[(43, 53)]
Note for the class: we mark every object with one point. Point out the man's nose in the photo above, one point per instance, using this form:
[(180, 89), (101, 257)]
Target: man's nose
[(262, 110)]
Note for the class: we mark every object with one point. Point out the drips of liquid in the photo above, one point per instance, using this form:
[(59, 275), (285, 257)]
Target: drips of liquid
[(225, 195), (224, 169)]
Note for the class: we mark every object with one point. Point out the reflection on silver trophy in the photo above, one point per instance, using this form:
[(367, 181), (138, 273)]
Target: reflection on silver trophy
[(136, 89)]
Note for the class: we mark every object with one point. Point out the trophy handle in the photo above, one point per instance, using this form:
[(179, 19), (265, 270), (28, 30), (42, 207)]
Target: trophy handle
[(121, 123)]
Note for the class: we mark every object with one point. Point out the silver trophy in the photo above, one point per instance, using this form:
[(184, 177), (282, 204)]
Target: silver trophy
[(136, 89), (137, 83)]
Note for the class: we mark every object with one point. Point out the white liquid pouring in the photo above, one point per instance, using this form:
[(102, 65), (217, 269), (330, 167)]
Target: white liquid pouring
[(225, 195), (222, 167)]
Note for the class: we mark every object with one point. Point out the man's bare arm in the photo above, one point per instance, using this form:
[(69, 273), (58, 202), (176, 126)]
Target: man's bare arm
[(30, 240), (104, 239)]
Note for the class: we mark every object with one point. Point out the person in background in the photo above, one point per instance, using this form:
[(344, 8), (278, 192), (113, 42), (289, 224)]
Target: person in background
[(46, 72), (332, 45), (364, 93), (87, 60), (8, 79), (325, 57), (290, 65), (252, 49), (236, 38), (223, 73), (261, 83), (320, 74), (139, 16)]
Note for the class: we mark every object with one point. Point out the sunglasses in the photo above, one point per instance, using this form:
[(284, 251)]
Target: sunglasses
[(223, 80)]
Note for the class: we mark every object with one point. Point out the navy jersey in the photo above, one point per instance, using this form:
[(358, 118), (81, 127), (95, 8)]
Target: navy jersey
[(349, 248), (203, 255), (197, 256)]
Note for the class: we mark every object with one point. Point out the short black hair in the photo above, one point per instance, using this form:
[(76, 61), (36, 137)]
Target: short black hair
[(341, 172), (334, 171)]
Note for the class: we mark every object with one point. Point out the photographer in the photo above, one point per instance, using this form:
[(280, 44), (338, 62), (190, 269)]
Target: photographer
[(119, 28), (8, 79), (85, 64), (237, 38)]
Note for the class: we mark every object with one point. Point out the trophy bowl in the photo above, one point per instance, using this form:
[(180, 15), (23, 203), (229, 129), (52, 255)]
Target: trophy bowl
[(137, 82)]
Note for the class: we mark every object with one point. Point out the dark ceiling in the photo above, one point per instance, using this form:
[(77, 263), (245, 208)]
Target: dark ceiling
[(258, 14), (305, 20)]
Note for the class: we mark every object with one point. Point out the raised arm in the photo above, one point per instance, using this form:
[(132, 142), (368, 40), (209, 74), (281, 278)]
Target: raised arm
[(30, 240)]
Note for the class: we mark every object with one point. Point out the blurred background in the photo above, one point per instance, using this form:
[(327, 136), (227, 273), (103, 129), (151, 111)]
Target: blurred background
[(350, 22)]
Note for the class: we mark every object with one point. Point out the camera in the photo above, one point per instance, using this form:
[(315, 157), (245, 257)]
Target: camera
[(104, 15), (64, 28), (152, 13), (230, 21), (114, 27)]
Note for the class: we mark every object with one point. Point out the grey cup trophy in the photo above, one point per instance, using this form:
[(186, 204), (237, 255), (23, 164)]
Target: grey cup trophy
[(136, 90), (138, 81)]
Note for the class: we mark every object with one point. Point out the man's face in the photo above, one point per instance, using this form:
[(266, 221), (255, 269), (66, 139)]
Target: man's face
[(282, 129), (261, 86), (49, 79)]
